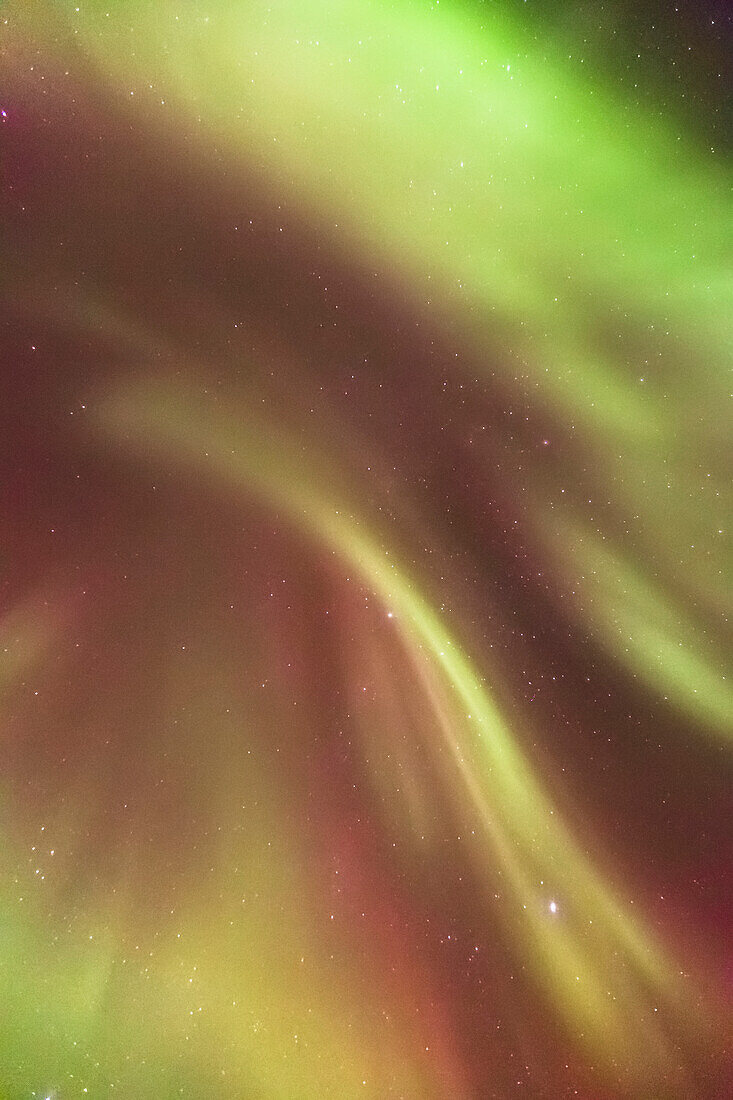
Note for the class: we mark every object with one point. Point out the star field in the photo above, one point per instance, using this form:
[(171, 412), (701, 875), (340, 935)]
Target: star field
[(364, 559)]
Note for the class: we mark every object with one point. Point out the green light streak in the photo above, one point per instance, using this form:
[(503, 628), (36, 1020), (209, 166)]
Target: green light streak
[(577, 959)]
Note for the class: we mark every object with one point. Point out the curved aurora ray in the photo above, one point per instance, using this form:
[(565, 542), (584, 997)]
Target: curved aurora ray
[(530, 842)]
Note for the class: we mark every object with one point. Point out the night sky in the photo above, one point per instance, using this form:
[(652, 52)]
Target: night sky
[(364, 550)]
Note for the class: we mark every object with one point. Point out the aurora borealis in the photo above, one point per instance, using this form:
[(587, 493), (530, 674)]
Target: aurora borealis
[(364, 505)]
